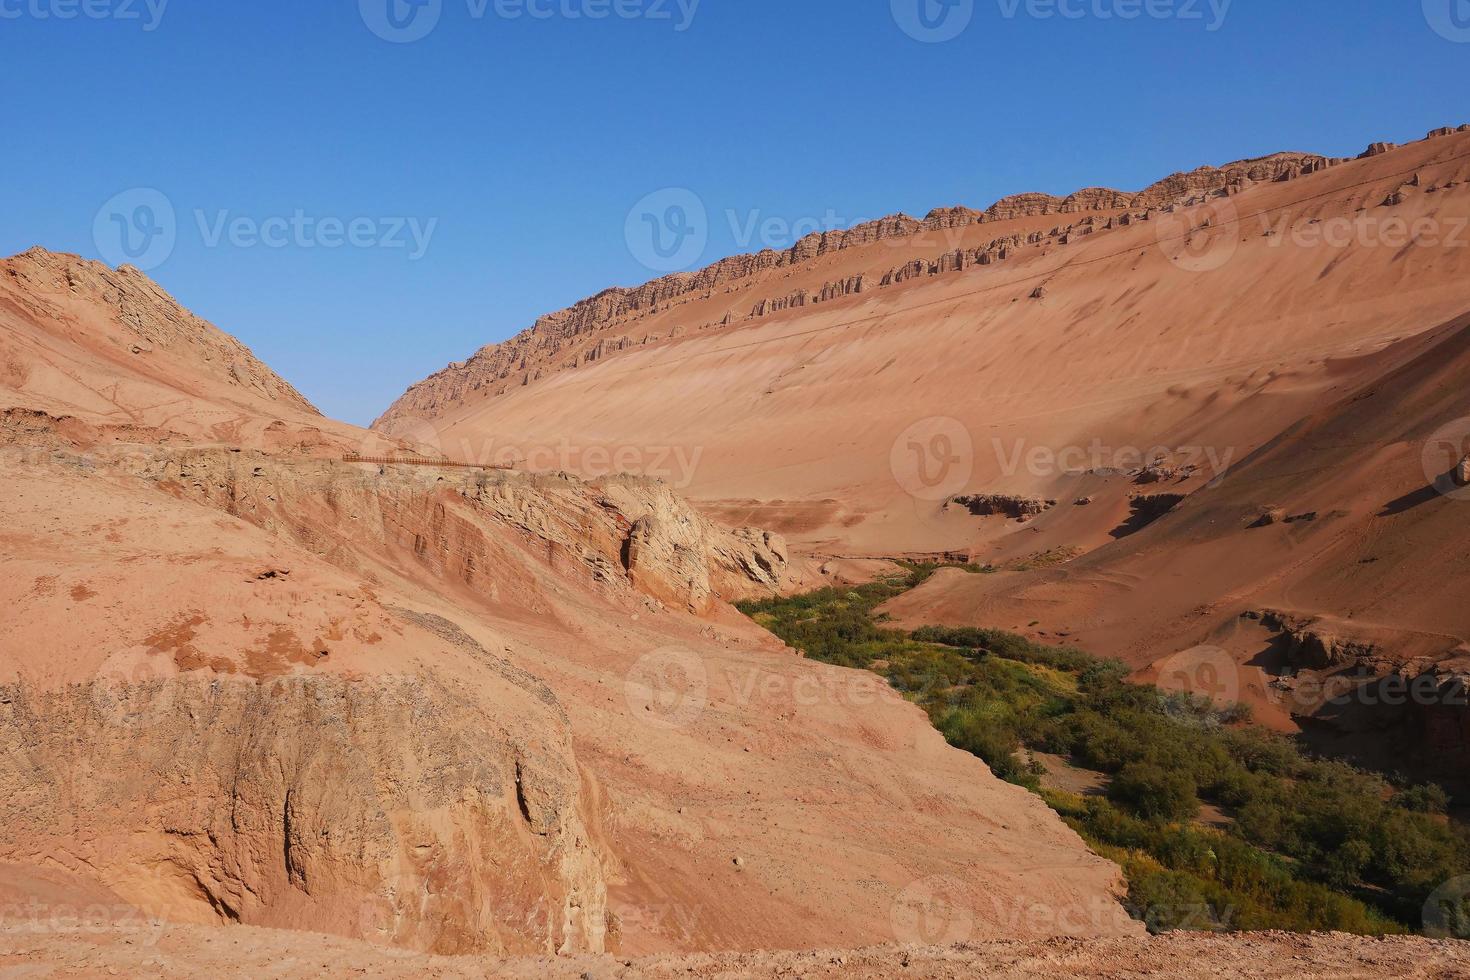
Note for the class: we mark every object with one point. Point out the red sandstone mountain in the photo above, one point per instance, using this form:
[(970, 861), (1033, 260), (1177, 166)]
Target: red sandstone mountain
[(244, 682), (1116, 350)]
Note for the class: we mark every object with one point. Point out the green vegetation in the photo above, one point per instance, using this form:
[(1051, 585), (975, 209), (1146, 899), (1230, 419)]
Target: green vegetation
[(1307, 844)]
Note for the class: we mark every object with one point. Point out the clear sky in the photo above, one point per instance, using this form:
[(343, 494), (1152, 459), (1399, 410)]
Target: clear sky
[(364, 190)]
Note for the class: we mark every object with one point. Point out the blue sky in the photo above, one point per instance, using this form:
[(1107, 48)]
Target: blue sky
[(300, 152)]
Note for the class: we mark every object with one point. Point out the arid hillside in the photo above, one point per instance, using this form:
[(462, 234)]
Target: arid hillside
[(1268, 354), (1325, 576), (110, 347), (455, 710), (1000, 356)]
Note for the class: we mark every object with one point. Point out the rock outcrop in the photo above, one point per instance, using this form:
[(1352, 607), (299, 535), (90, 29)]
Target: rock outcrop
[(1314, 644), (623, 530), (1002, 505), (365, 808)]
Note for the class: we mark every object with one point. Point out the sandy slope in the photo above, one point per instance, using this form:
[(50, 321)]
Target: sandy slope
[(187, 952), (1370, 551), (1299, 334), (812, 416)]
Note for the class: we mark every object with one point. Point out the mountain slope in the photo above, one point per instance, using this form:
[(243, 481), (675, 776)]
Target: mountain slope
[(1334, 555), (618, 318), (1211, 327), (111, 348), (244, 682)]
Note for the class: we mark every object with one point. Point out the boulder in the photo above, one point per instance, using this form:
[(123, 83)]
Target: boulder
[(1269, 516)]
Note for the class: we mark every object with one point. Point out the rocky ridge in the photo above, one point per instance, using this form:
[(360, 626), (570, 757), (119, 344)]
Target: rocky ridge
[(150, 318), (562, 340)]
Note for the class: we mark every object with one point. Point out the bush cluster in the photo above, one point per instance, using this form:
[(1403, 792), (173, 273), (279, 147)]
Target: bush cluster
[(1311, 844)]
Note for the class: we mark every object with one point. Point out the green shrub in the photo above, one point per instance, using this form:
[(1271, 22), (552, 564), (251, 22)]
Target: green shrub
[(1155, 793), (1314, 845)]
